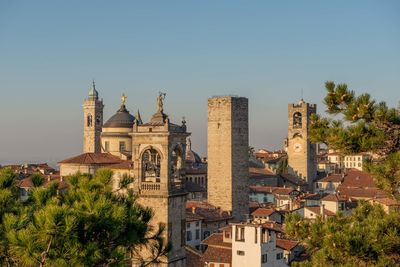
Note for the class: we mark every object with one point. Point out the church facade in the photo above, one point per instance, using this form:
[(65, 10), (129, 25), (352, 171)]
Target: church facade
[(153, 153)]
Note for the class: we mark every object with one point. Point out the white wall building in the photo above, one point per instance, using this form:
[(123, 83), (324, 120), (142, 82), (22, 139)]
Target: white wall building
[(255, 245)]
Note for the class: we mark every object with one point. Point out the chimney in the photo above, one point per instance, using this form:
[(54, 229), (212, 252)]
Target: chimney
[(194, 210)]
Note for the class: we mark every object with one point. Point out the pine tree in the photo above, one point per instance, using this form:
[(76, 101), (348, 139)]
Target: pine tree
[(86, 225), (363, 126)]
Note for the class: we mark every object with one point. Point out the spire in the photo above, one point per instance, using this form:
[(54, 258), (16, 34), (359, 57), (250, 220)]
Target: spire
[(93, 92), (138, 118)]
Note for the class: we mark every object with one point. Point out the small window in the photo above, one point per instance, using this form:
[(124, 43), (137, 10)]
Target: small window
[(187, 225), (279, 256), (188, 236), (121, 146), (240, 252), (197, 224), (197, 234), (264, 258), (89, 120)]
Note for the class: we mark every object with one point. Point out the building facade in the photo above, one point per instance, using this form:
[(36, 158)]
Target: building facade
[(228, 159), (301, 152)]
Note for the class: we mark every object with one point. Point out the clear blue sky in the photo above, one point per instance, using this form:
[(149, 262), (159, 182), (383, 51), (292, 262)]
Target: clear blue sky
[(265, 50)]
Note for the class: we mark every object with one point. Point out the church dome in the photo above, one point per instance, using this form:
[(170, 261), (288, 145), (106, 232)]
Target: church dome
[(121, 119), (192, 157)]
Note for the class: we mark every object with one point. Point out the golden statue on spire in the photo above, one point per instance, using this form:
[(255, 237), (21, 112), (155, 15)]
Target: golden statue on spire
[(123, 99)]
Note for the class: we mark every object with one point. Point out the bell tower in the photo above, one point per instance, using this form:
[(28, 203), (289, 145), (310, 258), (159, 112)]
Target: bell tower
[(301, 152), (158, 149), (92, 121)]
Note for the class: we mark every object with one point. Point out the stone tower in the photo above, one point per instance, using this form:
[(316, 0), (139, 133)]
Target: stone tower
[(301, 153), (158, 149), (92, 122), (228, 158)]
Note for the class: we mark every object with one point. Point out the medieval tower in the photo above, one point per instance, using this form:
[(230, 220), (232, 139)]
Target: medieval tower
[(228, 158), (158, 149), (301, 153), (92, 122)]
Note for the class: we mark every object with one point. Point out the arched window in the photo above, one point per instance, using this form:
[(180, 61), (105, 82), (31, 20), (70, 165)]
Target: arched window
[(89, 120), (297, 123), (151, 165), (98, 119)]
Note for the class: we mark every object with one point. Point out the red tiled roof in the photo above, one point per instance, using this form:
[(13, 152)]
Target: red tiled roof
[(283, 191), (356, 178), (286, 244), (192, 217), (216, 240), (363, 193), (93, 158), (218, 255), (209, 212), (259, 171), (292, 179), (193, 257), (262, 189), (312, 197), (334, 178), (317, 210), (263, 212), (387, 201), (334, 197)]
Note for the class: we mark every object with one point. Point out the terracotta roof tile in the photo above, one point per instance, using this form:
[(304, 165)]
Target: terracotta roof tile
[(93, 158), (216, 240), (356, 178), (286, 244), (217, 254), (334, 178), (193, 257), (263, 212), (317, 210)]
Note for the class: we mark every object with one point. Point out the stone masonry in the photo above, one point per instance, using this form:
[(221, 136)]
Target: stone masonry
[(228, 159), (92, 124), (301, 152)]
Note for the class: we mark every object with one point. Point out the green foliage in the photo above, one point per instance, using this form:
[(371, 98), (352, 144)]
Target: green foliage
[(87, 225), (369, 237), (365, 126), (37, 179)]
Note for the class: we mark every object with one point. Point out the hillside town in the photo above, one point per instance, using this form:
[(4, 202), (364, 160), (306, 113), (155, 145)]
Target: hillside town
[(227, 209)]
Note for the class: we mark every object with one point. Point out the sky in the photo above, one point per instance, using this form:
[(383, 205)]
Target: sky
[(268, 51)]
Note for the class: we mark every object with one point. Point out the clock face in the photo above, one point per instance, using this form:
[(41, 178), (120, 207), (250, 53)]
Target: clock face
[(297, 147)]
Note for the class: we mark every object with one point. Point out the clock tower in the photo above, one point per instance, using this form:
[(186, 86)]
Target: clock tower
[(301, 152)]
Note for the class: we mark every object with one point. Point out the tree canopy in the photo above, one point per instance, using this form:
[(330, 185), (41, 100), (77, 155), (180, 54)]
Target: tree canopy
[(369, 237), (362, 125), (86, 225)]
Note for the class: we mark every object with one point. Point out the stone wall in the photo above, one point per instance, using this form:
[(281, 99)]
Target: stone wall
[(301, 153), (228, 144), (91, 134)]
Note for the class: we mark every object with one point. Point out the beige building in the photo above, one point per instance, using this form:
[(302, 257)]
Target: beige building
[(228, 159), (153, 153), (301, 152)]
